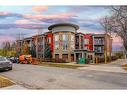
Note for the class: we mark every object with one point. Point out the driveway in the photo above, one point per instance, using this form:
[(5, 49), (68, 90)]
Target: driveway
[(39, 77)]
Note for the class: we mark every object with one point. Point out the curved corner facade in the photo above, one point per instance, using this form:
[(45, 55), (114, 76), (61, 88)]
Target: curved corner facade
[(64, 41)]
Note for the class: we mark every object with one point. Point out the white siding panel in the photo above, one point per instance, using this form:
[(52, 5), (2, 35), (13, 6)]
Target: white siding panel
[(63, 28)]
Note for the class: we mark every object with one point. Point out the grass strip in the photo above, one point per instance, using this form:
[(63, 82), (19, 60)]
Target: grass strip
[(4, 82), (60, 65)]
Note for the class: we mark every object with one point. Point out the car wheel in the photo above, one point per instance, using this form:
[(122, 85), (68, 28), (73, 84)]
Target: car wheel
[(10, 68)]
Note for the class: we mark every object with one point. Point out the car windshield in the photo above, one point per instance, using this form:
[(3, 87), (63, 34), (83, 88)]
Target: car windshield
[(2, 59)]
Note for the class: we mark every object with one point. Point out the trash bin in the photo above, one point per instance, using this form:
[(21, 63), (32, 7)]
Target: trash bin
[(82, 60)]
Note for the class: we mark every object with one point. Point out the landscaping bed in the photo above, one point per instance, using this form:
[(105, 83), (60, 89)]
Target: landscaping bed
[(61, 65), (4, 82)]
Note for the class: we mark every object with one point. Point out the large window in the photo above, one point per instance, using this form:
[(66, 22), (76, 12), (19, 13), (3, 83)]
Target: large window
[(77, 42), (86, 41), (82, 42), (99, 41), (56, 37), (72, 43), (99, 49), (64, 41)]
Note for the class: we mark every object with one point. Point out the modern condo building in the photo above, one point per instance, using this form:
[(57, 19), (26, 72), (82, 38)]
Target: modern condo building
[(62, 41)]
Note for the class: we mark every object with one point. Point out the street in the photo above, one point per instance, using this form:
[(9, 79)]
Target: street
[(39, 77)]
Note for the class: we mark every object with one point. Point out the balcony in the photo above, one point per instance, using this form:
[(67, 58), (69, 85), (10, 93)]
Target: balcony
[(99, 42)]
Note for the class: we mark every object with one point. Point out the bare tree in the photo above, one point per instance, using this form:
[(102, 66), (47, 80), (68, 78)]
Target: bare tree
[(6, 45), (117, 23)]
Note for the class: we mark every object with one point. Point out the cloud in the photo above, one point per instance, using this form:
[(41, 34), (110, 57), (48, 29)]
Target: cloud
[(4, 14), (29, 26), (89, 24), (23, 21), (39, 8), (25, 26), (49, 17)]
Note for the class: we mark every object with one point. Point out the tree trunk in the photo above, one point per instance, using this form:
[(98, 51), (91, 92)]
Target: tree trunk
[(125, 48)]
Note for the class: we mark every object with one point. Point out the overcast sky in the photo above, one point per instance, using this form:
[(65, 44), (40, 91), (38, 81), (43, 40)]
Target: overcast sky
[(27, 20)]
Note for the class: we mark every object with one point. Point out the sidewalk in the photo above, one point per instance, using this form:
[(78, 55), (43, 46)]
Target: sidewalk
[(104, 68), (14, 87), (109, 67)]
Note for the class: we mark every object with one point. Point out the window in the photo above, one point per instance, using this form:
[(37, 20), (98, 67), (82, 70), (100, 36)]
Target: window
[(65, 37), (99, 49), (99, 41), (49, 40), (86, 41), (56, 37), (64, 41), (56, 42), (56, 46), (82, 42), (77, 39), (72, 43)]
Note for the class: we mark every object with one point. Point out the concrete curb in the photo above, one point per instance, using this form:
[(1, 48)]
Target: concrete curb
[(14, 87)]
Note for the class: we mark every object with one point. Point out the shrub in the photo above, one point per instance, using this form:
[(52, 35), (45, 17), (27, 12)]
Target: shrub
[(119, 54), (60, 60), (114, 58)]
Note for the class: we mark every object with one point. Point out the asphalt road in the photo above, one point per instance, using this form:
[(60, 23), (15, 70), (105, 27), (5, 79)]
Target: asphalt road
[(39, 77)]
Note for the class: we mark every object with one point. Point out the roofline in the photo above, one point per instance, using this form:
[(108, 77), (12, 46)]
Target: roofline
[(61, 24), (102, 34)]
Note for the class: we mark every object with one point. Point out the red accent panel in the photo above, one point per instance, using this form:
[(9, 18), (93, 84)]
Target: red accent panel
[(50, 36), (90, 38)]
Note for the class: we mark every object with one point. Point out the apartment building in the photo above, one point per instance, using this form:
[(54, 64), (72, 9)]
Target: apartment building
[(84, 47), (62, 41), (102, 45)]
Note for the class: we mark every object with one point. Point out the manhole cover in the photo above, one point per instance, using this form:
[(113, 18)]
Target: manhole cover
[(51, 80)]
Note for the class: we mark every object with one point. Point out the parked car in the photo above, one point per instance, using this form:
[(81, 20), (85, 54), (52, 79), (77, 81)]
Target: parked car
[(13, 59), (5, 64)]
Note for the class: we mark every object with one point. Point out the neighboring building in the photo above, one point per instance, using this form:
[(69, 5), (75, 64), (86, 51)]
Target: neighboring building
[(84, 47), (89, 46), (64, 42), (49, 45), (38, 44), (80, 50), (102, 45)]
